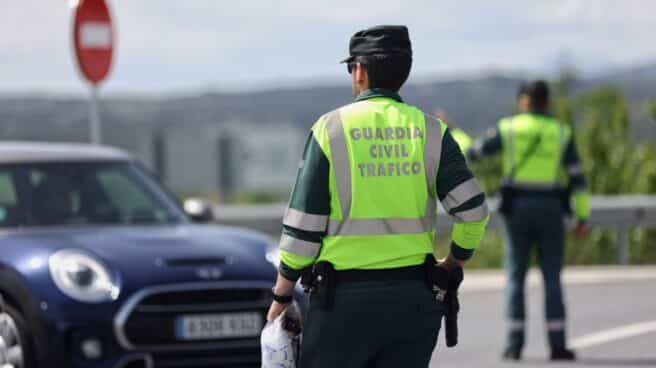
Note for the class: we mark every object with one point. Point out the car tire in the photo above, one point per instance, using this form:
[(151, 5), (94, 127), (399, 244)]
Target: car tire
[(13, 324)]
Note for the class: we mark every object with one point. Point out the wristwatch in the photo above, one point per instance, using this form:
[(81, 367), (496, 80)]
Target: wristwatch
[(282, 299)]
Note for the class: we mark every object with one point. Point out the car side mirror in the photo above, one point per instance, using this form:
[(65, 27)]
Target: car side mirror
[(198, 210)]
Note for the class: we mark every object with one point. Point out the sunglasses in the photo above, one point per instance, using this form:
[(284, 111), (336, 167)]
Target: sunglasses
[(350, 66)]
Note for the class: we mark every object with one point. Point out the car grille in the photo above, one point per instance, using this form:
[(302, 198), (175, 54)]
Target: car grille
[(233, 358), (148, 324)]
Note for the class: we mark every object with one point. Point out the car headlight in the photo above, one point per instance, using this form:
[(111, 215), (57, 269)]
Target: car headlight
[(82, 276)]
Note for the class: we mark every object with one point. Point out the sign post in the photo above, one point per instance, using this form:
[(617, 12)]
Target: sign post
[(93, 38), (95, 134)]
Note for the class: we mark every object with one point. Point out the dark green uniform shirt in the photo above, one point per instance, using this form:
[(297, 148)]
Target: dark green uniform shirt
[(311, 193), (493, 144)]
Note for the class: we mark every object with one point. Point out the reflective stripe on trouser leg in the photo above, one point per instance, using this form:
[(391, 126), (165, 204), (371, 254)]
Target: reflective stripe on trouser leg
[(516, 325), (515, 339), (556, 333), (556, 325), (299, 247)]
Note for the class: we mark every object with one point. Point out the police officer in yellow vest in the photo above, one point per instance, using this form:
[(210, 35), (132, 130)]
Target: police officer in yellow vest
[(536, 148), (463, 139), (362, 217)]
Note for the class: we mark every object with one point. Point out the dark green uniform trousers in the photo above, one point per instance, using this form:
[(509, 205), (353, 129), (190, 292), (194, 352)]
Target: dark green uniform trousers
[(372, 324), (535, 220)]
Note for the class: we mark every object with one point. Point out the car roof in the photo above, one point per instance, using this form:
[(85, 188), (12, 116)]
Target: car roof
[(24, 152)]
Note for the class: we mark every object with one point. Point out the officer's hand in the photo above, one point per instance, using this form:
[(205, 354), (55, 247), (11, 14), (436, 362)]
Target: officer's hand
[(450, 263), (442, 115), (582, 229), (275, 310)]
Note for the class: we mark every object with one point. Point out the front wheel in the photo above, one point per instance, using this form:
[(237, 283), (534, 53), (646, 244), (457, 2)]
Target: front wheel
[(14, 339)]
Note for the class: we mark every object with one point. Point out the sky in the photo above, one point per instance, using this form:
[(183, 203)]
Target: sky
[(173, 46)]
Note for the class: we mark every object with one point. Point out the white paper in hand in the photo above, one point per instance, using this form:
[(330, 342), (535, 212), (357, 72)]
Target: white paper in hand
[(278, 348)]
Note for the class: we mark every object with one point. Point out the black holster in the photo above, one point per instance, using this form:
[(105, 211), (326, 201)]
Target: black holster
[(565, 197), (507, 194), (452, 307), (444, 286), (319, 280)]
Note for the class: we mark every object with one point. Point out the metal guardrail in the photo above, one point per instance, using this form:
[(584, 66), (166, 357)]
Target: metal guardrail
[(621, 212)]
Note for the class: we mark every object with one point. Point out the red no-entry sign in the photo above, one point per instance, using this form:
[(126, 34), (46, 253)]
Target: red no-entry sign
[(94, 39)]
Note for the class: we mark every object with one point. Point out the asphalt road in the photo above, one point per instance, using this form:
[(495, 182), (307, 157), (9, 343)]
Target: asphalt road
[(612, 320)]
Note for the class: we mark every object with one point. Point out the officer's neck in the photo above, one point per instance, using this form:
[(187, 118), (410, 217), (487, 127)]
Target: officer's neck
[(378, 92), (538, 111)]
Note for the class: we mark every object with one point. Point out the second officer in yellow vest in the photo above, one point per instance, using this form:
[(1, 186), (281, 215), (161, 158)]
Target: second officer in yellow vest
[(362, 217), (463, 139), (535, 149)]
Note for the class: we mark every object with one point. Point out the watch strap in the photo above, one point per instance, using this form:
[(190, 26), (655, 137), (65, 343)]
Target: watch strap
[(283, 299)]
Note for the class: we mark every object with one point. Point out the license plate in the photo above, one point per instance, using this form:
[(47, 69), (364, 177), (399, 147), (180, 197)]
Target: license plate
[(218, 326)]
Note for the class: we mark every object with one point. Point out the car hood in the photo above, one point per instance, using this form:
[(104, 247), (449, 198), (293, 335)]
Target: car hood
[(176, 253)]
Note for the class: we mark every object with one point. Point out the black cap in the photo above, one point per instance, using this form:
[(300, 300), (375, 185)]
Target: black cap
[(380, 40), (536, 90), (538, 94)]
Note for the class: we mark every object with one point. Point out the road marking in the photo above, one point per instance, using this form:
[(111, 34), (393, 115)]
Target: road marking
[(606, 336), (496, 280)]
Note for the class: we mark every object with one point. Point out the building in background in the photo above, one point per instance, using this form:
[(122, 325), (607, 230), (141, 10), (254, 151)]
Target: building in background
[(222, 160), (233, 158)]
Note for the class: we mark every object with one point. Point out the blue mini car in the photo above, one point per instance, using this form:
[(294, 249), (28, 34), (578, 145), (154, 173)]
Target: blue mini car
[(100, 267)]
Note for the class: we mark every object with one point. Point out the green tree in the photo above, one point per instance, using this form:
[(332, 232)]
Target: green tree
[(613, 165), (643, 240), (651, 109)]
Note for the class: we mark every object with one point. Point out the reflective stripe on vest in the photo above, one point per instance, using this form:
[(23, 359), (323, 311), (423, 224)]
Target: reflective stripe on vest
[(341, 166), (538, 171)]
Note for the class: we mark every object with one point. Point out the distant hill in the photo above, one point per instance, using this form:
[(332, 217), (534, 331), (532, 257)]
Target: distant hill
[(475, 104)]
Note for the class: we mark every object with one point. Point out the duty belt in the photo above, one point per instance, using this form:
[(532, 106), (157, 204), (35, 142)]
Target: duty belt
[(322, 278), (393, 274)]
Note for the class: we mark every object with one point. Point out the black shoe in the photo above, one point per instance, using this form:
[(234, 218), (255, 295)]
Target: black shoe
[(562, 354), (512, 354)]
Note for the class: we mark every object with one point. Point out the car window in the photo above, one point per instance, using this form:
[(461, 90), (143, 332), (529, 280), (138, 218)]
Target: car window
[(128, 197), (36, 176), (82, 193), (7, 190), (8, 199)]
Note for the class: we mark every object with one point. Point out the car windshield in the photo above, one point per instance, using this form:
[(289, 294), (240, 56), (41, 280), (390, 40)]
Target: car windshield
[(82, 193)]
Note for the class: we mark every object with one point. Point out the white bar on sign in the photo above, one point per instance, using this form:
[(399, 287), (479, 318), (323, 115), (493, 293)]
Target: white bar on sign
[(95, 35)]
